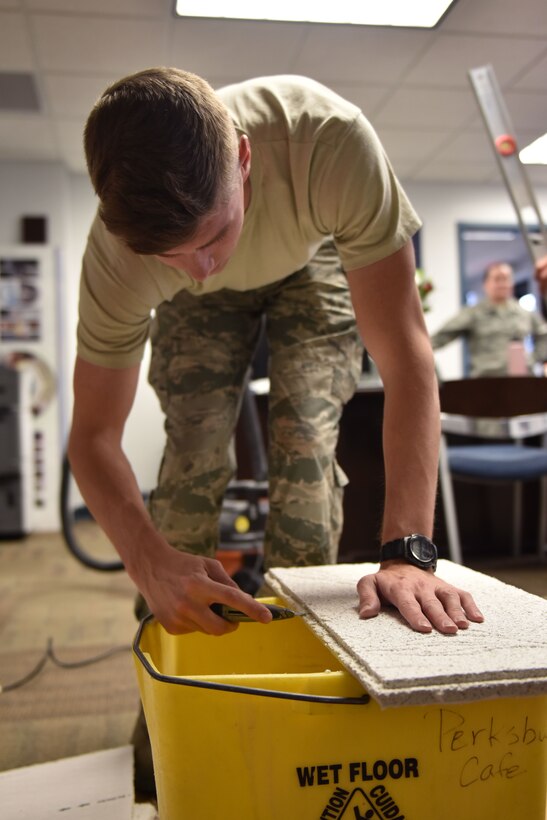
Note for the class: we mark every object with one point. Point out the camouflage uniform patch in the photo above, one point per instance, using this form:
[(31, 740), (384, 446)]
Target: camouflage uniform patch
[(202, 347)]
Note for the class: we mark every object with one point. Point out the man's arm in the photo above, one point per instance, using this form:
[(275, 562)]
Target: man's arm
[(178, 587), (391, 323)]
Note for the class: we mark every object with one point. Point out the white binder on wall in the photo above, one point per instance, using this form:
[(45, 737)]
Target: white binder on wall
[(30, 342)]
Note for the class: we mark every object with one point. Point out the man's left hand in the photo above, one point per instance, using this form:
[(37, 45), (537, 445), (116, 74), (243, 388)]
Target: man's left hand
[(424, 600)]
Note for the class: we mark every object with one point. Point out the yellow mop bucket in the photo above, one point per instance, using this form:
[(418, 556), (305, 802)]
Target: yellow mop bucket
[(265, 724)]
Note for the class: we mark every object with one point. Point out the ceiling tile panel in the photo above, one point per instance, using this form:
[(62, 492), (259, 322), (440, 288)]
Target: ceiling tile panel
[(526, 136), (368, 54), (426, 108), (412, 84), (133, 8), (528, 110), (450, 57), (410, 144), (403, 168), (27, 138), (72, 96), (537, 175), (235, 49), (471, 146), (15, 45), (367, 97), (528, 17), (535, 79), (453, 172), (98, 44)]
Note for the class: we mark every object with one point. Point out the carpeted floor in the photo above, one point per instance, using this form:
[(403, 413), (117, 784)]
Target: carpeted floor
[(45, 593)]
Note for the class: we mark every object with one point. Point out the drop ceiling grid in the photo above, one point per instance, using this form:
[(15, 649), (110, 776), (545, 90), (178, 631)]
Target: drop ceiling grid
[(411, 84)]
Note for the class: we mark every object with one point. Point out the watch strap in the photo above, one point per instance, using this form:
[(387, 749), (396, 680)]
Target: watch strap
[(393, 549)]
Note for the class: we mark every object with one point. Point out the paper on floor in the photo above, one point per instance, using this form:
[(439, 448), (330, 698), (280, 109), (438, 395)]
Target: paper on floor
[(96, 786)]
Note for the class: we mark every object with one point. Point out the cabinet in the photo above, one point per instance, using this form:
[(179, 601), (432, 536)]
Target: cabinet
[(15, 453)]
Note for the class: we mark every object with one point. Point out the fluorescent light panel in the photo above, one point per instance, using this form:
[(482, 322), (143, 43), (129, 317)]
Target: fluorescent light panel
[(423, 14), (535, 153)]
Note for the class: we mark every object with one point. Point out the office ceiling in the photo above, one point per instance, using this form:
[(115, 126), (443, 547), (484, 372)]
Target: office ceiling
[(412, 84)]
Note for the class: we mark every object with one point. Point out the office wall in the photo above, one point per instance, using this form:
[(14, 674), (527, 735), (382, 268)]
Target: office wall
[(69, 204), (144, 437)]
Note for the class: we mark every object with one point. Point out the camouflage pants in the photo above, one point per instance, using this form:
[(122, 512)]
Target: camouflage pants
[(202, 347)]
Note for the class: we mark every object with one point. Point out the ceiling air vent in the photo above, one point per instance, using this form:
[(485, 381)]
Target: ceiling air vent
[(18, 92)]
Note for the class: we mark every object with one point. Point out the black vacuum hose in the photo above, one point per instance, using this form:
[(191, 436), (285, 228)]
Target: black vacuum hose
[(68, 532), (252, 433)]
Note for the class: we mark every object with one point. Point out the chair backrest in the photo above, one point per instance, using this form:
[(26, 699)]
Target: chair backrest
[(503, 396)]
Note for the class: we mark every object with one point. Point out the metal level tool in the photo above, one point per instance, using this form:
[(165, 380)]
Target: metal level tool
[(504, 143)]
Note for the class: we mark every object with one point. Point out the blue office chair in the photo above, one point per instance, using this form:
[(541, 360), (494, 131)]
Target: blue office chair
[(501, 413)]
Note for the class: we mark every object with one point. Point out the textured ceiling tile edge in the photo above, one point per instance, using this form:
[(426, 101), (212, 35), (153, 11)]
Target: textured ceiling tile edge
[(396, 692)]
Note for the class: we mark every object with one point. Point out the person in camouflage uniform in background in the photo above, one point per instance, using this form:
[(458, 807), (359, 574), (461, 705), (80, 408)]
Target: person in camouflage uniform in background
[(490, 326)]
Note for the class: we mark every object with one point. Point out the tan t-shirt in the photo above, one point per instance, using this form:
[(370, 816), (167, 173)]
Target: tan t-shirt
[(317, 169)]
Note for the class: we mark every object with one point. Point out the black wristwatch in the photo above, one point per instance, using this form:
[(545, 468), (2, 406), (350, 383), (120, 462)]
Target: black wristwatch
[(415, 548)]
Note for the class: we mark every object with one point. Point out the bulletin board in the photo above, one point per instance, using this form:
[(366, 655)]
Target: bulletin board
[(30, 337)]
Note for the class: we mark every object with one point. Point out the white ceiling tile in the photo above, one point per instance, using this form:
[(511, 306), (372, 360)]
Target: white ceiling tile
[(528, 17), (233, 50), (366, 54), (15, 45), (367, 97), (535, 79), (71, 43), (402, 167), (135, 8), (525, 138), (426, 108), (27, 137), (537, 174), (410, 144), (68, 95), (528, 110), (456, 54), (469, 146), (412, 85), (452, 172)]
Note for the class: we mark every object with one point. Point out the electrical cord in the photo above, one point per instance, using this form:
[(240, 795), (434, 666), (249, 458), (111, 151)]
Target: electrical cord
[(49, 654)]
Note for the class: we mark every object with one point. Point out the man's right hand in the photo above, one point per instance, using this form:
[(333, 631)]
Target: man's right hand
[(179, 589)]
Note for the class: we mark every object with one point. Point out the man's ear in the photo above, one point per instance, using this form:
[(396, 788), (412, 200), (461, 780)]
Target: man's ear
[(244, 156)]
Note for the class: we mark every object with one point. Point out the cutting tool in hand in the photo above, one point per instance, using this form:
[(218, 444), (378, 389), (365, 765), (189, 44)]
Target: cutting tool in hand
[(279, 613)]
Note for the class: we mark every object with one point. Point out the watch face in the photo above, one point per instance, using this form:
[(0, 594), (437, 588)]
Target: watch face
[(422, 549)]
